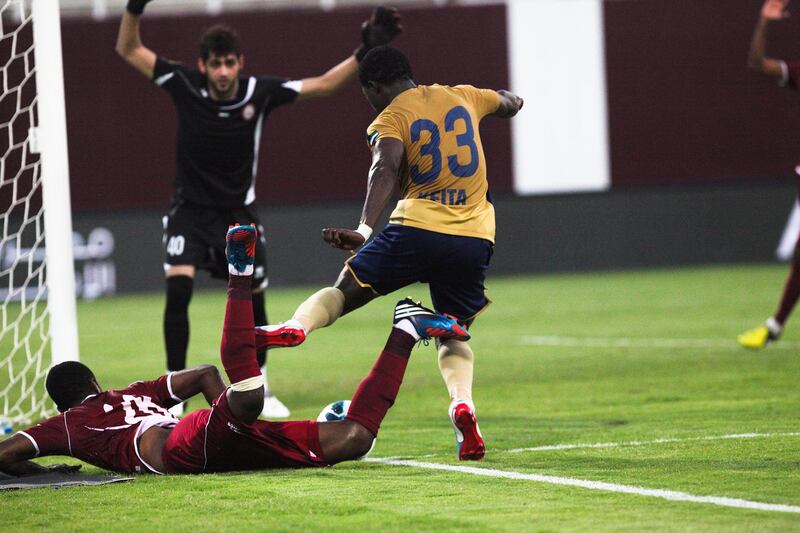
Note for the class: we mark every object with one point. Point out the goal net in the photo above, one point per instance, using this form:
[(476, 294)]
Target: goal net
[(37, 284)]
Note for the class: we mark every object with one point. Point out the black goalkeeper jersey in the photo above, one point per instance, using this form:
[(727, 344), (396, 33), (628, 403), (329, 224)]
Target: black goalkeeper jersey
[(217, 151)]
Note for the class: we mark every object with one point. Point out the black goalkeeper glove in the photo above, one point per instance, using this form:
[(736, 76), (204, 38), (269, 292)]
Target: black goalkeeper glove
[(136, 7), (382, 27)]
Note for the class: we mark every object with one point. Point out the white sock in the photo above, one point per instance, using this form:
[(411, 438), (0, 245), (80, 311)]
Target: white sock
[(773, 327), (292, 323), (408, 327), (267, 391), (248, 271), (455, 402)]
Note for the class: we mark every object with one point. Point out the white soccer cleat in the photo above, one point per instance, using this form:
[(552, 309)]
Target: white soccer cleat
[(178, 410), (274, 408)]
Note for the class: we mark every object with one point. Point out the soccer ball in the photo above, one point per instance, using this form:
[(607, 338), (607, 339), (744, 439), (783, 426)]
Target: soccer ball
[(334, 411)]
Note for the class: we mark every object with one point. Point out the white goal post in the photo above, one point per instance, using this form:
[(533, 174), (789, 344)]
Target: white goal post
[(38, 322)]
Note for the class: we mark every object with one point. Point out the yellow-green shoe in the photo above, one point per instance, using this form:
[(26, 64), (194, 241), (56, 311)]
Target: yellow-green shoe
[(756, 338)]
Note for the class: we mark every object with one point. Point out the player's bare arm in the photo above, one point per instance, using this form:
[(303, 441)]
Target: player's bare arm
[(771, 11), (382, 26), (387, 159), (15, 453), (129, 42), (203, 379), (510, 104), (330, 82)]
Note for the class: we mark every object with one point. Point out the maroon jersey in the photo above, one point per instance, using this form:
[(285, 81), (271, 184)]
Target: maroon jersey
[(104, 429), (213, 440)]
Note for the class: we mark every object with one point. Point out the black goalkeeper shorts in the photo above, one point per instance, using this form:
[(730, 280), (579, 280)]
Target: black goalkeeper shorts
[(195, 235)]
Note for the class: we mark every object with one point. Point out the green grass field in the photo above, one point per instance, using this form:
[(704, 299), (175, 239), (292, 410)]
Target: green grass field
[(643, 362)]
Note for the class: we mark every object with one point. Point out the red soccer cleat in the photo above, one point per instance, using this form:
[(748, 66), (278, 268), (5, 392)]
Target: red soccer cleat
[(469, 441), (279, 336)]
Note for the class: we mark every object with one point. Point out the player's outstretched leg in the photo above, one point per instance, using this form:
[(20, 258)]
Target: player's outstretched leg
[(456, 362), (352, 437), (771, 330), (452, 338), (319, 310), (238, 347)]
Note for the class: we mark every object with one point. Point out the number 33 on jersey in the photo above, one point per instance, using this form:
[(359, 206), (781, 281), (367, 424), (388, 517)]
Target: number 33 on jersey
[(443, 184)]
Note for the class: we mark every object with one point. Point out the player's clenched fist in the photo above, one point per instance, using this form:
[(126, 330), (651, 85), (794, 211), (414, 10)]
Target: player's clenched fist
[(382, 26), (345, 239), (775, 10)]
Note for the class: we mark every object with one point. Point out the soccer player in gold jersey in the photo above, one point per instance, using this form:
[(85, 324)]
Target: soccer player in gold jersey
[(425, 140)]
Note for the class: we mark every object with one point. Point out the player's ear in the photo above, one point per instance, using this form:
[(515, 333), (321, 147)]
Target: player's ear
[(241, 61), (201, 65)]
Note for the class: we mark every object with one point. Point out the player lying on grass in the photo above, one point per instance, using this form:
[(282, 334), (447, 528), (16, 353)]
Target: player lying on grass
[(131, 430), (788, 75), (425, 141), (220, 114)]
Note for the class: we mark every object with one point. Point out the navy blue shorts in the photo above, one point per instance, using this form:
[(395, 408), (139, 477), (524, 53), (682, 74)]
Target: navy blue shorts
[(453, 266)]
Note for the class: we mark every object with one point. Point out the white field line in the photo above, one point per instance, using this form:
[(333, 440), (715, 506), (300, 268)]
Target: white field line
[(598, 485), (621, 342), (733, 436), (586, 445)]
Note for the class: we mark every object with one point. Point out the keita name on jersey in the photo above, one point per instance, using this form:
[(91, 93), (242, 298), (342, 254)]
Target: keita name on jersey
[(446, 196)]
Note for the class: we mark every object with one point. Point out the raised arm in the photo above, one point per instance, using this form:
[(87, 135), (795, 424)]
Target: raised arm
[(129, 43), (510, 104), (203, 379), (330, 82), (382, 26), (757, 61), (387, 159)]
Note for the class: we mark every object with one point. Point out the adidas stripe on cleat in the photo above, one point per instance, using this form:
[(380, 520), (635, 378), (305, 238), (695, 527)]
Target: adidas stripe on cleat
[(240, 249), (428, 323)]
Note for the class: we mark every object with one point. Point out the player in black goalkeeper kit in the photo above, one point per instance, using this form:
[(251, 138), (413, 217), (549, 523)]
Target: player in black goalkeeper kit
[(220, 116)]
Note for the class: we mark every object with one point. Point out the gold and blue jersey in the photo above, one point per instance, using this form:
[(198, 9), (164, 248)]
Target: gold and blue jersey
[(443, 182)]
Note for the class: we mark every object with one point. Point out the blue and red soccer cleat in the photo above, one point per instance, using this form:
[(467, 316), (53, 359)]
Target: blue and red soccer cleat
[(469, 441), (429, 323), (240, 249)]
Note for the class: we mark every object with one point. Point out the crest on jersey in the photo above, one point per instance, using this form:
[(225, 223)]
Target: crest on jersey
[(248, 112)]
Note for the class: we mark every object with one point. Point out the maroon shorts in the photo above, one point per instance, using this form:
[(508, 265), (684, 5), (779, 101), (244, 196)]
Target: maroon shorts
[(213, 440)]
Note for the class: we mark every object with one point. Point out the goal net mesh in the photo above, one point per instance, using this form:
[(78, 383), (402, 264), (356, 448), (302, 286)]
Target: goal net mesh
[(24, 320)]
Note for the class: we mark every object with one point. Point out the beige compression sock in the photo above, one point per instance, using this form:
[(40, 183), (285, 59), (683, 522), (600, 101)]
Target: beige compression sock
[(320, 309), (456, 361)]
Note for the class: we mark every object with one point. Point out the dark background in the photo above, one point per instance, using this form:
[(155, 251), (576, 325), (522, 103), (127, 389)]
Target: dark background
[(683, 106), (121, 127), (702, 150)]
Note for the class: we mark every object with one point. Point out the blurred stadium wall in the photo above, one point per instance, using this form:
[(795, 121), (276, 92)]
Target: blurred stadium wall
[(644, 140)]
